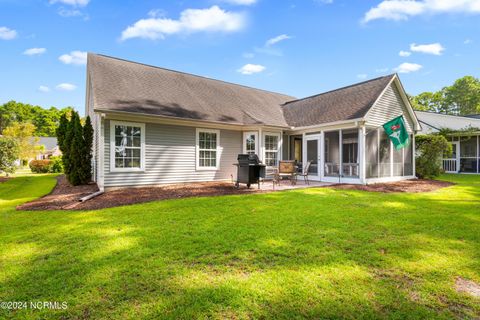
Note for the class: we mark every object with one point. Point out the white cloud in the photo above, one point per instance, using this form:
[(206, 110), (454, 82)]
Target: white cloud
[(467, 41), (362, 76), (404, 53), (7, 34), (34, 51), (66, 87), (324, 1), (44, 89), (248, 55), (407, 67), (213, 19), (241, 2), (74, 57), (434, 48), (404, 9), (251, 69), (277, 39), (74, 3)]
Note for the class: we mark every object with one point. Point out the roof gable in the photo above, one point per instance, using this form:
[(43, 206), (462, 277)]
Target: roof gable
[(348, 103)]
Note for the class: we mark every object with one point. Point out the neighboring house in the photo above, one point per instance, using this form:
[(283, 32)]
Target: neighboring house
[(156, 126), (50, 148), (464, 136)]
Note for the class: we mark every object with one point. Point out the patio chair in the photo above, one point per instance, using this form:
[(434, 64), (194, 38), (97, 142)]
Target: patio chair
[(304, 174), (286, 169)]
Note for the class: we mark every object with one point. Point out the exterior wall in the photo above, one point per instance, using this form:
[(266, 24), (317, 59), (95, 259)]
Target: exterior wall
[(170, 157), (389, 106)]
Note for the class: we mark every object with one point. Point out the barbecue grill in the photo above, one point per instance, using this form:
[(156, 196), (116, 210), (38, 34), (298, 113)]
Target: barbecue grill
[(249, 170)]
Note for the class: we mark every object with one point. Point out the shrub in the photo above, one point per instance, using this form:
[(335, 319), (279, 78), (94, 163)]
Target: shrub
[(9, 152), (39, 166), (56, 165), (429, 154)]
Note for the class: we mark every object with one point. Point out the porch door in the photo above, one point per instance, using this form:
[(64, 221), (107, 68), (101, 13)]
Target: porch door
[(312, 153), (452, 164)]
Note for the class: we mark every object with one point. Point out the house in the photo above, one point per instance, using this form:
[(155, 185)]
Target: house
[(50, 148), (157, 126), (464, 135)]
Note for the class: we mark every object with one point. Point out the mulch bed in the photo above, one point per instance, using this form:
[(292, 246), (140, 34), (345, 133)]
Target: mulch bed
[(3, 179), (61, 197), (411, 186), (66, 197)]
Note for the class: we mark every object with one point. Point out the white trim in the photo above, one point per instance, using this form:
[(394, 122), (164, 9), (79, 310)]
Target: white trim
[(279, 136), (197, 149), (101, 153), (317, 138), (328, 126), (113, 123), (362, 154), (145, 117), (247, 133)]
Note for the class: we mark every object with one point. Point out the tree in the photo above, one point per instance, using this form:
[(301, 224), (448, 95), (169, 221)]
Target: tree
[(88, 143), (23, 135), (45, 120), (76, 142), (62, 131), (461, 98), (8, 155), (464, 96), (428, 101)]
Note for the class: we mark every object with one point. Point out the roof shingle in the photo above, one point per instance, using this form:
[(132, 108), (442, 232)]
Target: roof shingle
[(346, 103), (120, 85)]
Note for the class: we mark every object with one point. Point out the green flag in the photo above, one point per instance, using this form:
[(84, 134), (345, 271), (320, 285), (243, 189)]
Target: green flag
[(396, 131)]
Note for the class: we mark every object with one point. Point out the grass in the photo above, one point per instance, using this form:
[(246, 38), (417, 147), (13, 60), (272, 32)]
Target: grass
[(312, 253)]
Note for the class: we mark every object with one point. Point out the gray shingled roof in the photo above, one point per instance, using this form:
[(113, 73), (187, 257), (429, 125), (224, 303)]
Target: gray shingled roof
[(119, 85), (346, 103)]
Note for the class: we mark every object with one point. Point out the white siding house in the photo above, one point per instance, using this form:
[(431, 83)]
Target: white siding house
[(157, 126)]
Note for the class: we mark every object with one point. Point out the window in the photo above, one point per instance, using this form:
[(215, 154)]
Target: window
[(271, 149), (207, 149), (127, 141), (250, 143)]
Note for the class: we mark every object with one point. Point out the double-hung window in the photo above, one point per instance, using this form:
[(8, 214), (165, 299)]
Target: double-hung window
[(250, 142), (207, 146), (127, 146), (272, 142)]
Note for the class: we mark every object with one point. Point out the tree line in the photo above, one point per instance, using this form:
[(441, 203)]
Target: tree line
[(461, 98), (45, 121)]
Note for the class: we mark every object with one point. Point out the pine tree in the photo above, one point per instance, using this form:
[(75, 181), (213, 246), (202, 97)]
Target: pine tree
[(67, 141), (77, 150), (62, 131), (88, 143)]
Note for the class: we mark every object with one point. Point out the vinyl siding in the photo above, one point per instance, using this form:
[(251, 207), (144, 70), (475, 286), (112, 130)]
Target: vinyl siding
[(170, 157), (388, 107)]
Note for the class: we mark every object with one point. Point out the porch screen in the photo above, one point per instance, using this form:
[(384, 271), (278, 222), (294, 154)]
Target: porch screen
[(468, 155), (397, 162), (332, 154), (350, 153), (384, 152), (371, 149), (408, 159)]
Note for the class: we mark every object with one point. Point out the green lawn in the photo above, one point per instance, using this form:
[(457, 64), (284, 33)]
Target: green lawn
[(313, 253)]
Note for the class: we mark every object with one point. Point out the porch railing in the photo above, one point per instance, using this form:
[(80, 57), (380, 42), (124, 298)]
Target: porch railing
[(450, 165), (348, 169)]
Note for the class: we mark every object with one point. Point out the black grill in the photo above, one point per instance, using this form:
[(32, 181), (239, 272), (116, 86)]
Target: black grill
[(249, 170)]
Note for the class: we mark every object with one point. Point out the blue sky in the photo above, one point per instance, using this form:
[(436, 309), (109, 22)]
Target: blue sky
[(295, 47)]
